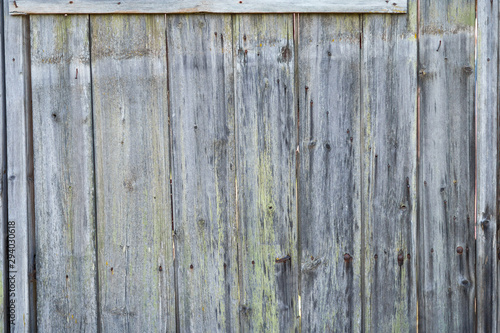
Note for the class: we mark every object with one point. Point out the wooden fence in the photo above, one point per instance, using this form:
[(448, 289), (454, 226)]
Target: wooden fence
[(250, 172)]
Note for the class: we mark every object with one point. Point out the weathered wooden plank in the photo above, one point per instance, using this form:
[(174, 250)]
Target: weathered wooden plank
[(200, 61), (23, 7), (64, 174), (135, 251), (389, 157), (4, 296), (446, 257), (19, 173), (487, 161), (329, 176), (266, 126)]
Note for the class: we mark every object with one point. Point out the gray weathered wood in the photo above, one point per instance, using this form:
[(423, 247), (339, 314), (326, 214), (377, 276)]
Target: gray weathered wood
[(389, 157), (64, 174), (487, 157), (19, 171), (4, 296), (329, 177), (135, 251), (266, 126), (23, 7), (201, 89), (446, 257)]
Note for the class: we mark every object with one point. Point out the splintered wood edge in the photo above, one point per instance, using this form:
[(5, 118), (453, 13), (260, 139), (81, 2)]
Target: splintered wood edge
[(28, 7)]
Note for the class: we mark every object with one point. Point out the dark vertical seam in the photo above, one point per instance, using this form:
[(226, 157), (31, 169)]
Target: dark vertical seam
[(296, 17), (418, 176), (170, 182), (97, 290), (29, 175), (361, 168)]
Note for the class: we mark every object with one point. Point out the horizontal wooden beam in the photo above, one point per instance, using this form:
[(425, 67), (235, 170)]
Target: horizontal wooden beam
[(27, 7)]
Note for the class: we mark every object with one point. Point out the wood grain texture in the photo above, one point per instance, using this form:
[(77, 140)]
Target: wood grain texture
[(389, 124), (24, 7), (135, 252), (446, 257), (64, 174), (487, 166), (329, 177), (4, 297), (203, 176), (20, 171), (266, 126)]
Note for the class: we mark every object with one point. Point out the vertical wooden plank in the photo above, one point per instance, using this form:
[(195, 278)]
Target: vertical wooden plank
[(486, 163), (64, 174), (203, 174), (135, 252), (446, 246), (19, 173), (266, 171), (329, 178), (4, 296), (389, 125)]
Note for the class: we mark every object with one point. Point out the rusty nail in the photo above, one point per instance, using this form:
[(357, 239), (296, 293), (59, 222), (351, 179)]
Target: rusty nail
[(245, 37), (432, 250), (347, 257), (253, 262), (401, 258), (71, 2), (408, 256), (119, 3), (376, 256), (351, 138), (111, 269), (284, 259), (66, 277), (76, 76), (15, 4), (191, 266), (460, 250), (160, 269), (225, 265), (439, 46)]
